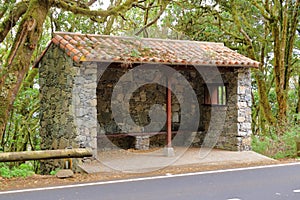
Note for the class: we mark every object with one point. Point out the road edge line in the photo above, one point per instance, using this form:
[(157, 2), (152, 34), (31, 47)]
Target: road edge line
[(147, 178)]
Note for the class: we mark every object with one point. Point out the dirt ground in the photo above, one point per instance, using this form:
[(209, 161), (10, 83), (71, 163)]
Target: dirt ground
[(48, 180)]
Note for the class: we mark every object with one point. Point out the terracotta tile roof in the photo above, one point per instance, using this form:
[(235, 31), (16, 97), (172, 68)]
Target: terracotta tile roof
[(88, 47)]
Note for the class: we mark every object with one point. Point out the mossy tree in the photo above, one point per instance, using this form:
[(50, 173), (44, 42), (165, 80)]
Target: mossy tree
[(27, 18)]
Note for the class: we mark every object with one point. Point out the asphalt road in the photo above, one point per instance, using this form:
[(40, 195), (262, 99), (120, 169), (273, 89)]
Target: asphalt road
[(281, 182)]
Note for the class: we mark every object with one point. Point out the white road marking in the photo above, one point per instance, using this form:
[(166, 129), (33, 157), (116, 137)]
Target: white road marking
[(145, 178), (296, 191), (234, 199)]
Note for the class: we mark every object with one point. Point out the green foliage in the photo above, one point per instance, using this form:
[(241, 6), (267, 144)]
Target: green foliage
[(54, 172), (23, 170), (277, 145), (69, 22), (135, 53), (22, 131)]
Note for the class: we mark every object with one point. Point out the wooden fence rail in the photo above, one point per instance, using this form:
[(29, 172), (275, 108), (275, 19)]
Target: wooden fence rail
[(45, 154)]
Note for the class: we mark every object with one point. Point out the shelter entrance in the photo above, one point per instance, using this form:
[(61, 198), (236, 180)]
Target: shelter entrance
[(132, 108)]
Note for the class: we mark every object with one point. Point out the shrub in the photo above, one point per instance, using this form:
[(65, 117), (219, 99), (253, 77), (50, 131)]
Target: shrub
[(22, 170), (277, 145), (54, 172)]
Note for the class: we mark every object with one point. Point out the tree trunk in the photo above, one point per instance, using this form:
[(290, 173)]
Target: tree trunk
[(263, 98), (11, 77), (297, 118), (279, 73), (47, 154)]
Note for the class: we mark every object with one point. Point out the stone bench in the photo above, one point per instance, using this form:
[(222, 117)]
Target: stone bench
[(142, 139)]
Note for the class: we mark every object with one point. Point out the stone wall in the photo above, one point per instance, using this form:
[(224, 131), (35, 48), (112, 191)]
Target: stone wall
[(244, 109), (68, 101), (140, 103), (147, 105), (219, 128), (220, 125), (84, 105), (235, 133)]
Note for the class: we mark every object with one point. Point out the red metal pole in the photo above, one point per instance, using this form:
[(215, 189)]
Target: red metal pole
[(169, 115)]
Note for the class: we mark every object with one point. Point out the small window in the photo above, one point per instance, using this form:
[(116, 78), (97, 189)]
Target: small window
[(215, 94)]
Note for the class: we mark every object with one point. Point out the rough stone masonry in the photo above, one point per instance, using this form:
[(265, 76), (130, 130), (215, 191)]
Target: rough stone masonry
[(76, 107)]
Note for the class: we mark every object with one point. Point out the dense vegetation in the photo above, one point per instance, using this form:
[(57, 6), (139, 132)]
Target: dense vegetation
[(267, 31)]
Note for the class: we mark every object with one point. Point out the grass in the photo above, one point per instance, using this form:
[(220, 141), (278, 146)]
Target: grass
[(277, 146)]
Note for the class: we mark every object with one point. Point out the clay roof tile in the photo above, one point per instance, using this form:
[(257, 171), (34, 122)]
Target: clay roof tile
[(55, 41), (67, 37), (88, 47), (58, 37)]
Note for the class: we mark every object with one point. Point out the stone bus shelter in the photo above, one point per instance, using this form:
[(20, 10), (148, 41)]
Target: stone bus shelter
[(80, 74)]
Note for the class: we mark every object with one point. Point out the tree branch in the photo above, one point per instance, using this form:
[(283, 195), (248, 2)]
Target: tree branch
[(91, 2), (11, 20), (161, 11), (94, 13), (262, 10), (293, 22), (4, 8)]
